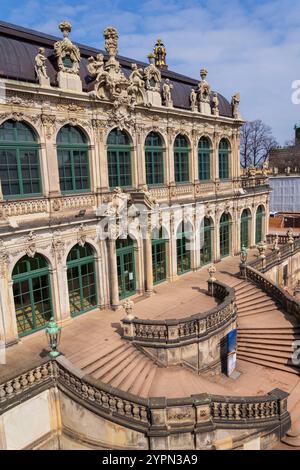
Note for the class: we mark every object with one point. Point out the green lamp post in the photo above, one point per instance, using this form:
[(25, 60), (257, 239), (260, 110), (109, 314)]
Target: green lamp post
[(53, 333)]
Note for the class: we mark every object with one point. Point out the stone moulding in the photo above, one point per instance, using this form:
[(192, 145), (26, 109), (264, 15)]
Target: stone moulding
[(196, 328), (152, 416)]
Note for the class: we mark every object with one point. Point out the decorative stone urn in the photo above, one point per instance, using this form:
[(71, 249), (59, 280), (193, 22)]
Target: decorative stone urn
[(128, 307)]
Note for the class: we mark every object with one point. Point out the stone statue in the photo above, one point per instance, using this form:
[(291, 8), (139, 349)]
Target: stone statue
[(137, 84), (68, 60), (40, 67), (96, 66), (118, 203), (235, 102), (167, 87), (215, 106), (152, 75), (204, 92), (193, 100)]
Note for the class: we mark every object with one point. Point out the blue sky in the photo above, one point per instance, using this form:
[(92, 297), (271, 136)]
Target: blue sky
[(248, 46)]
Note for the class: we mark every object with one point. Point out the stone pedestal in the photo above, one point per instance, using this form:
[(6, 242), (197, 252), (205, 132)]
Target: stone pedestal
[(154, 97), (69, 81), (204, 107)]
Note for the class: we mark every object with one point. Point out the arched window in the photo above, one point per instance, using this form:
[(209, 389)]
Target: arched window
[(259, 225), (126, 267), (32, 294), (154, 159), (159, 261), (81, 279), (225, 235), (245, 221), (19, 160), (181, 159), (206, 241), (183, 240), (204, 152), (119, 159), (224, 159), (73, 160)]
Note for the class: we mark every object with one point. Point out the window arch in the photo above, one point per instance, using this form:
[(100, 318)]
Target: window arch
[(119, 159), (224, 150), (204, 153), (259, 224), (32, 294), (19, 160), (245, 221), (206, 239), (73, 160), (181, 159), (154, 159), (183, 239), (81, 279), (225, 235)]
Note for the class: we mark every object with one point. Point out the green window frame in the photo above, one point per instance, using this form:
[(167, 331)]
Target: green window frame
[(245, 220), (32, 294), (125, 267), (204, 157), (181, 159), (183, 254), (119, 159), (224, 159), (20, 172), (259, 219), (225, 235), (154, 159), (159, 260), (73, 160), (81, 274), (206, 241)]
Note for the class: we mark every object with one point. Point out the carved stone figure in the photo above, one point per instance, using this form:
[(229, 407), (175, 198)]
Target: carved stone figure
[(167, 87), (118, 203), (215, 106), (68, 60), (96, 66), (136, 88), (40, 68), (193, 100), (160, 54), (235, 102), (204, 92)]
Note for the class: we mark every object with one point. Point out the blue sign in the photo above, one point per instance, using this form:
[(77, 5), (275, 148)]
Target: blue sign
[(231, 341)]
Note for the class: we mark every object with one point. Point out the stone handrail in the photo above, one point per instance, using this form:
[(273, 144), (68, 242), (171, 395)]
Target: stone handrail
[(193, 328), (147, 415), (264, 263), (287, 302), (254, 181), (282, 239)]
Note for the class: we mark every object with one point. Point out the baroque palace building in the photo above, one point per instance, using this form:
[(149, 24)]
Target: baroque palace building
[(82, 130)]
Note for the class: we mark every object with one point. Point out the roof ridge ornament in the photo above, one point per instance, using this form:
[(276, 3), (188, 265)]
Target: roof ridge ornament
[(160, 53)]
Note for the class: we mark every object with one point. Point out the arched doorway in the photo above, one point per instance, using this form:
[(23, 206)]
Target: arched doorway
[(225, 235), (119, 159), (19, 160), (81, 279), (183, 241), (32, 294), (73, 160), (245, 224), (126, 267), (159, 261), (259, 224), (154, 159), (206, 237)]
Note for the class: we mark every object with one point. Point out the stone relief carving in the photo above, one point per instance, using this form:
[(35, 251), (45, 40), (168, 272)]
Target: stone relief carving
[(58, 246), (118, 203), (4, 259), (31, 244), (40, 68), (81, 235), (68, 55), (48, 121)]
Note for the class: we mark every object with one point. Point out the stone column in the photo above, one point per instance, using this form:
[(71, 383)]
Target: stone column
[(49, 162), (170, 175), (149, 267), (216, 240), (112, 260), (141, 165), (61, 304), (8, 322)]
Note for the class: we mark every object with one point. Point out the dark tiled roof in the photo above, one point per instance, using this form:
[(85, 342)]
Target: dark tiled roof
[(19, 46), (284, 157)]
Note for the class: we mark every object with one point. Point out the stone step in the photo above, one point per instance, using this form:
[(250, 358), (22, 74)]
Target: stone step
[(260, 308), (284, 355), (109, 360), (249, 297), (246, 288), (269, 335), (268, 359), (267, 342), (271, 331), (112, 368), (255, 302), (270, 365), (145, 388), (266, 347), (136, 387), (88, 362), (129, 373), (115, 376), (136, 375)]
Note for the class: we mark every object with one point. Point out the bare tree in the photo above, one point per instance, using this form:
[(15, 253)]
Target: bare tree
[(256, 142)]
